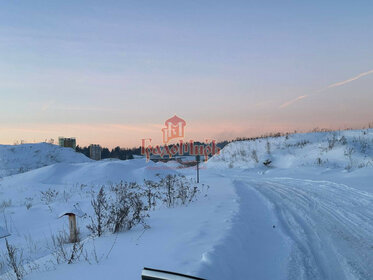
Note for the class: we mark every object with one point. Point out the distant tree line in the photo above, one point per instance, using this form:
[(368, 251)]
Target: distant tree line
[(117, 152), (129, 153)]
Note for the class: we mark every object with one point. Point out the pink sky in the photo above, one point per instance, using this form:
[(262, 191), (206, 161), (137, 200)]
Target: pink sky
[(113, 73)]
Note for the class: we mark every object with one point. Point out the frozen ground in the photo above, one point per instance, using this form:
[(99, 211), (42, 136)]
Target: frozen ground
[(308, 215)]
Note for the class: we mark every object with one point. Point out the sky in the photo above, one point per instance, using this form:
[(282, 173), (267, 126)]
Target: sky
[(112, 72)]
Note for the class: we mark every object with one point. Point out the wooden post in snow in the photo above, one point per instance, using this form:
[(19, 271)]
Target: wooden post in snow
[(72, 227), (72, 224)]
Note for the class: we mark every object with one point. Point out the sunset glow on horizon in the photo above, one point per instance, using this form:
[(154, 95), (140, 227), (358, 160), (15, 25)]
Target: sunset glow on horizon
[(112, 73)]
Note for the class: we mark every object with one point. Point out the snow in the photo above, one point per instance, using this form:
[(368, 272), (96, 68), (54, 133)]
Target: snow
[(265, 258), (321, 149), (72, 210), (329, 224), (299, 218), (3, 232), (16, 159)]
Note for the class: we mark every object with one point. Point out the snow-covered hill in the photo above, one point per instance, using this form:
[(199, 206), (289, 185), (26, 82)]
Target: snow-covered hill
[(31, 202), (16, 159), (348, 149), (302, 217)]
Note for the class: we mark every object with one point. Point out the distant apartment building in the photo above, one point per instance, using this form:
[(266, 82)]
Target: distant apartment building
[(67, 142), (95, 151)]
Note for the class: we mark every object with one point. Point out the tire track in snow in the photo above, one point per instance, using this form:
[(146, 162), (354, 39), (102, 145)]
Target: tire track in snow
[(251, 249), (331, 225)]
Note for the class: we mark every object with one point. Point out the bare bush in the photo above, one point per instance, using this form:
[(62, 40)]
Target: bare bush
[(254, 156), (348, 153), (5, 204), (268, 147), (343, 140), (363, 143), (178, 190), (28, 202), (151, 193), (66, 196), (332, 141), (169, 183), (127, 209), (243, 153), (126, 204), (186, 192), (14, 260), (63, 252), (100, 219), (49, 196)]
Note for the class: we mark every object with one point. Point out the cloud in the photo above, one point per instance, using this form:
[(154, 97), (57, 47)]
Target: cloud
[(338, 84), (288, 103)]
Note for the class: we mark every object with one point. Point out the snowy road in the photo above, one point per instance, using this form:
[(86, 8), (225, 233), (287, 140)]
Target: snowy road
[(331, 226)]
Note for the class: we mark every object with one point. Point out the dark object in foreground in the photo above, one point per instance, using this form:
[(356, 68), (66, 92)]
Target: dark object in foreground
[(156, 274)]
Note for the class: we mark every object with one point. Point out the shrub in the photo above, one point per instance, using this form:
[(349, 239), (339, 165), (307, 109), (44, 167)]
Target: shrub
[(254, 156), (348, 153), (126, 210), (151, 193), (14, 260), (5, 204), (63, 252), (66, 195), (331, 142), (186, 192), (100, 219), (49, 196), (126, 205), (28, 202), (268, 147), (343, 140), (168, 183)]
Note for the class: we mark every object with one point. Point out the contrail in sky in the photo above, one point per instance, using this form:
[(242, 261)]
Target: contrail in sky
[(290, 102)]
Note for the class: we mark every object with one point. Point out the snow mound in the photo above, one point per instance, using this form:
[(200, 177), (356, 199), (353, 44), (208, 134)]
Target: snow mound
[(16, 159), (349, 149), (92, 173)]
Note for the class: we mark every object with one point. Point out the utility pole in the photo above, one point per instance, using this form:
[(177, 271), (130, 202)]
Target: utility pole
[(198, 158)]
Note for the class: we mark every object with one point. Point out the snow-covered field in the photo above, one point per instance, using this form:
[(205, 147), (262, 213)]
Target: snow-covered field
[(308, 214)]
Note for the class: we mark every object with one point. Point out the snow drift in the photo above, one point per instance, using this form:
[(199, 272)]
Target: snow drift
[(348, 149), (16, 159)]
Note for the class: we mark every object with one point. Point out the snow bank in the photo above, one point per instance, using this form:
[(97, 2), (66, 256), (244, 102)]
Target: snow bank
[(340, 149), (177, 239), (16, 159)]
